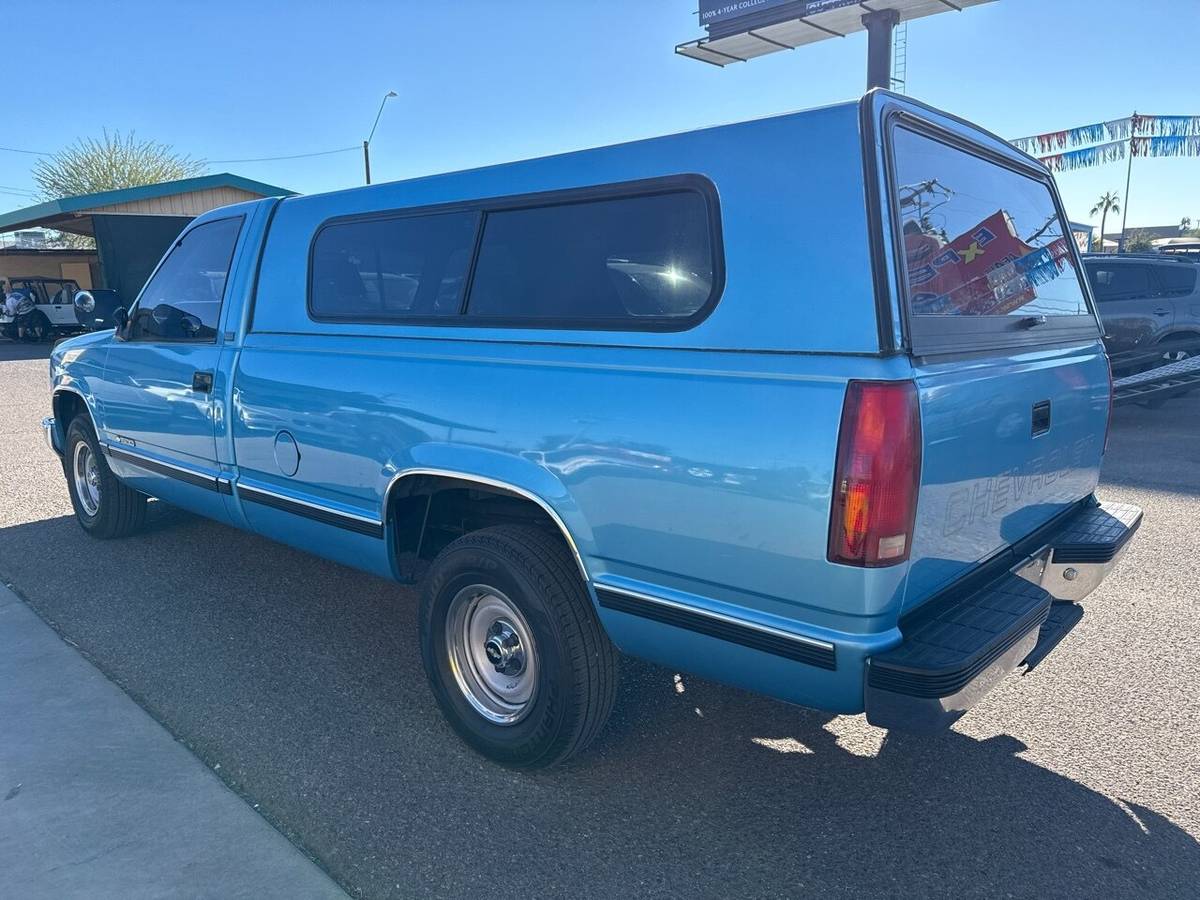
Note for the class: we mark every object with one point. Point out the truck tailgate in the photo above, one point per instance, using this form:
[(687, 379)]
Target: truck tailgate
[(1009, 441)]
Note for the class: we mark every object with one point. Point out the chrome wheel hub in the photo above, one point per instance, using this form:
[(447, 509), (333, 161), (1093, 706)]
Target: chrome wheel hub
[(492, 654), (87, 478)]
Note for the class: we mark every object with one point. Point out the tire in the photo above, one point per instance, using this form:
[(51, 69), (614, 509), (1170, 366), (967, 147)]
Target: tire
[(114, 510), (519, 588), (1176, 354), (38, 328)]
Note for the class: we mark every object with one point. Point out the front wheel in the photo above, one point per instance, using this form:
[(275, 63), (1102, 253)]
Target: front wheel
[(104, 506), (513, 650)]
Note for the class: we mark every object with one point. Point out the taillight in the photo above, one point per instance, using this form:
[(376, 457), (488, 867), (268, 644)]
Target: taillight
[(877, 476)]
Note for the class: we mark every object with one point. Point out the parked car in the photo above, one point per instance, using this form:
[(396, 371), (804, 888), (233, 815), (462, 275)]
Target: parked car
[(54, 310), (1181, 247), (829, 437), (1150, 306)]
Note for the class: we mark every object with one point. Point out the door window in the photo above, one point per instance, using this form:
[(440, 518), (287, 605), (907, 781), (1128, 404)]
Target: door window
[(182, 301), (1119, 282), (1177, 281)]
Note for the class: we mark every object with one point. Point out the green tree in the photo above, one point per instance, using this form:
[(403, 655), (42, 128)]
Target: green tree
[(1185, 225), (111, 162), (1108, 202), (1138, 242)]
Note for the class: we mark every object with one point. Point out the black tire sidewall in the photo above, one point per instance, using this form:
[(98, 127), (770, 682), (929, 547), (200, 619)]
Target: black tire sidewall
[(38, 319), (80, 431), (541, 730)]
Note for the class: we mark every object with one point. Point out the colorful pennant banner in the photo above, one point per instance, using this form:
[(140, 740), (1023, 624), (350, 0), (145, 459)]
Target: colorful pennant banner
[(1167, 126), (1146, 135), (1089, 156), (1175, 145), (1039, 144)]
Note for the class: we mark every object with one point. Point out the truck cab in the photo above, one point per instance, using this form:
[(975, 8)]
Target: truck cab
[(827, 427)]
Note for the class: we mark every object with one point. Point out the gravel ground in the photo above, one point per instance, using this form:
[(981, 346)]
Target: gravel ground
[(301, 680)]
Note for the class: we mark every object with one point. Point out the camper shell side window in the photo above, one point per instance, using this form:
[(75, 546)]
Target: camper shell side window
[(638, 256)]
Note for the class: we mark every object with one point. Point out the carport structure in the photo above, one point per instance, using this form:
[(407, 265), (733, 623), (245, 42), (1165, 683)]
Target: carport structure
[(134, 226)]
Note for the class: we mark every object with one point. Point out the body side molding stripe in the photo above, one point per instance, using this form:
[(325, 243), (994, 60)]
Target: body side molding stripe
[(737, 631), (190, 476), (323, 514)]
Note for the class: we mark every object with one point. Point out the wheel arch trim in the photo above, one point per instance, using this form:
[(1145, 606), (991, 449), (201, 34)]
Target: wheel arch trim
[(499, 484), (61, 424)]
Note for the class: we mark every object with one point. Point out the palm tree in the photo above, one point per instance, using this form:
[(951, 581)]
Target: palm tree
[(1108, 202)]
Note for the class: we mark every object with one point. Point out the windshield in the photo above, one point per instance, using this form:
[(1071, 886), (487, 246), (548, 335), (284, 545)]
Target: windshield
[(980, 239)]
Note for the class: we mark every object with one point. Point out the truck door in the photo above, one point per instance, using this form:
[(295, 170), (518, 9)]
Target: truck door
[(60, 310), (156, 400)]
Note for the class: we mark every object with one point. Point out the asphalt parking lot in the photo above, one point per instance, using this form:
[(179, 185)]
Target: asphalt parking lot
[(301, 680)]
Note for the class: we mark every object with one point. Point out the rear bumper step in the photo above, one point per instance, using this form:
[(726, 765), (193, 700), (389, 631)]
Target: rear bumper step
[(959, 645)]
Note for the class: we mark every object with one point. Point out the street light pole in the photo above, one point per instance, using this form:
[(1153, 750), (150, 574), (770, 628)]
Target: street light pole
[(367, 142)]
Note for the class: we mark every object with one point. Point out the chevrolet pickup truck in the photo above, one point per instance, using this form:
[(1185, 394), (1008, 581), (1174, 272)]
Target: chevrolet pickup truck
[(814, 405)]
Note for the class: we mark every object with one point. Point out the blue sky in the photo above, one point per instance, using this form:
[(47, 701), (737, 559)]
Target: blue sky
[(483, 81)]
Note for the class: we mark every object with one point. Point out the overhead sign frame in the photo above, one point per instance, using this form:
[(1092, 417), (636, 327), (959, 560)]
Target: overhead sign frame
[(741, 30)]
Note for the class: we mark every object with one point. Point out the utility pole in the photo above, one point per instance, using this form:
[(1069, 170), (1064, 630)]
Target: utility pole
[(367, 159), (1128, 178)]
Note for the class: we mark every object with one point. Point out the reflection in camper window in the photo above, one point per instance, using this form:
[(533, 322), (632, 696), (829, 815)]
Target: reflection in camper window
[(980, 239)]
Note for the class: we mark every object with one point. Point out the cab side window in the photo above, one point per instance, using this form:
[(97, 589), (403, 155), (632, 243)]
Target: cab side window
[(182, 301)]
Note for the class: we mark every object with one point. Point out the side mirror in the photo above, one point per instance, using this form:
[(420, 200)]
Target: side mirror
[(84, 302), (120, 317)]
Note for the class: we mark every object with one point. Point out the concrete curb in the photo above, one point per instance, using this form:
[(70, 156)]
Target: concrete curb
[(99, 800)]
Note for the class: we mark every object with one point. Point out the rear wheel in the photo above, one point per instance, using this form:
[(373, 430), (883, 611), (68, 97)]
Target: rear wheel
[(37, 327), (1173, 353), (515, 655), (104, 506)]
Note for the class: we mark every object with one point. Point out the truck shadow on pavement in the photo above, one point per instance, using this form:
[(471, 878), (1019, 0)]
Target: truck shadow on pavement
[(302, 680), (15, 350)]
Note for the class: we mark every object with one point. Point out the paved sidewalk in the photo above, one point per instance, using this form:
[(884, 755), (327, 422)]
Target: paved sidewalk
[(97, 800)]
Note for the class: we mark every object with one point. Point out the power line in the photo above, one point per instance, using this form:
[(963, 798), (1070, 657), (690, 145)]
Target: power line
[(212, 161), (276, 158), (30, 152)]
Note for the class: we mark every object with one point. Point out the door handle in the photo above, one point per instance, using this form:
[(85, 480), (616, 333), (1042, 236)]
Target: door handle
[(202, 382), (1162, 312)]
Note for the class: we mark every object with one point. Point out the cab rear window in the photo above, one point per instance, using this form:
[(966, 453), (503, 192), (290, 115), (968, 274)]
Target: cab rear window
[(980, 241)]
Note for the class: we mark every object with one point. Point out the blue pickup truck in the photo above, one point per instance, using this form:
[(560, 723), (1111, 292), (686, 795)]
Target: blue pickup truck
[(814, 405)]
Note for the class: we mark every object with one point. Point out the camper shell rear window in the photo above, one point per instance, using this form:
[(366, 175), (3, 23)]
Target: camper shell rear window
[(986, 256)]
